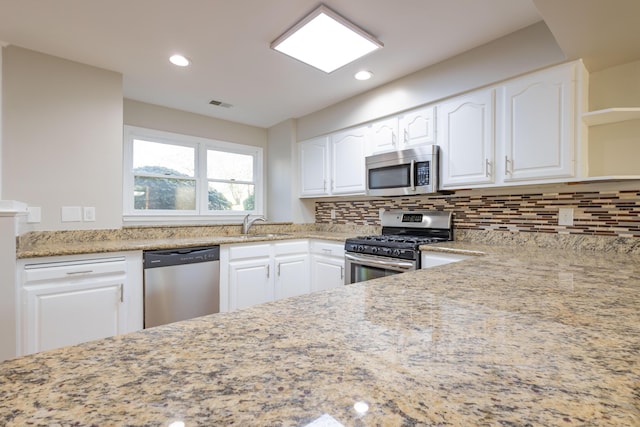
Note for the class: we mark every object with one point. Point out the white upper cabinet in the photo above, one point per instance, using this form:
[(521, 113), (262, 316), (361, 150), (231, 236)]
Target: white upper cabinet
[(314, 166), (413, 128), (333, 164), (525, 131), (383, 136), (417, 127), (466, 140), (539, 129), (348, 151)]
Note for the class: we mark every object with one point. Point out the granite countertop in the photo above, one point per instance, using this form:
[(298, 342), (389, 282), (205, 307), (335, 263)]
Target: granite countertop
[(54, 248), (518, 336)]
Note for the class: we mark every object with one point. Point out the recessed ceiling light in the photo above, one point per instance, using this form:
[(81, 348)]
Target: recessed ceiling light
[(325, 40), (363, 75), (179, 60)]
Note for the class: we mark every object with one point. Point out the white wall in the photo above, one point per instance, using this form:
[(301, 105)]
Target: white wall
[(2, 45), (523, 51), (284, 187), (62, 138), (151, 116)]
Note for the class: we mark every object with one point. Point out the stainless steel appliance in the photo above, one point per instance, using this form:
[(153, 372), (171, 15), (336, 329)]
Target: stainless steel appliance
[(181, 284), (400, 173), (397, 249)]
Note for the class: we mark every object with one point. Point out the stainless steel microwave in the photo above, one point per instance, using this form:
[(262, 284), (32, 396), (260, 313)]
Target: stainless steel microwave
[(400, 173)]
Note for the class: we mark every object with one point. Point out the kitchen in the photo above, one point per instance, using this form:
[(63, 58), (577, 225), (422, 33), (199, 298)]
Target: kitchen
[(47, 81)]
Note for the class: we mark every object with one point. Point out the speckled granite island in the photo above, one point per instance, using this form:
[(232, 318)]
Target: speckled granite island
[(517, 336)]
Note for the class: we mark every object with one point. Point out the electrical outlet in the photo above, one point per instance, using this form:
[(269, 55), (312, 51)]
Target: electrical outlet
[(565, 216), (89, 213)]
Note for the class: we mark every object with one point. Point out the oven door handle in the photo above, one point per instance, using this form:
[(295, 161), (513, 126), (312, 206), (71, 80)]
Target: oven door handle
[(367, 260)]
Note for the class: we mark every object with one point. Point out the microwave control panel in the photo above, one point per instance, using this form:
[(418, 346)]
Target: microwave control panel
[(422, 173)]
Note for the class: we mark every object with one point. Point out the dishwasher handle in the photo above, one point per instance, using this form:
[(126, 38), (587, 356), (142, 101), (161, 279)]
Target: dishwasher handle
[(168, 257)]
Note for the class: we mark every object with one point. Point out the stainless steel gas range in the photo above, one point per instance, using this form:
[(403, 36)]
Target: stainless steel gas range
[(396, 250)]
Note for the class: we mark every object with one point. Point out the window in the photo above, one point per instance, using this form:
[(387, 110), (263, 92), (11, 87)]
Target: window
[(170, 176)]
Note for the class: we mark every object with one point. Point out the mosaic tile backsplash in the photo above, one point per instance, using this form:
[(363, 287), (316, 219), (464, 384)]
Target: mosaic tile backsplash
[(606, 213)]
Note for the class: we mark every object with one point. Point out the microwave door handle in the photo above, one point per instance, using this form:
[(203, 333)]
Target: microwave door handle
[(412, 175)]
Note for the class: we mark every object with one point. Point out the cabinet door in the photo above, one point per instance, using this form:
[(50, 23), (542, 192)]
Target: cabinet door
[(466, 139), (418, 127), (539, 125), (62, 314), (327, 272), (383, 136), (291, 275), (250, 282), (348, 168), (313, 167)]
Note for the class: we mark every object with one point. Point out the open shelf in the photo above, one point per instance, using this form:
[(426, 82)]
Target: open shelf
[(611, 115)]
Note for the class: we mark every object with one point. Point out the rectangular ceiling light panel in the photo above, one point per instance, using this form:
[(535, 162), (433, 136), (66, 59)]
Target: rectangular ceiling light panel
[(326, 41)]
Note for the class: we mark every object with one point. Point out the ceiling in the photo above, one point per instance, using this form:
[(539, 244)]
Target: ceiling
[(228, 43)]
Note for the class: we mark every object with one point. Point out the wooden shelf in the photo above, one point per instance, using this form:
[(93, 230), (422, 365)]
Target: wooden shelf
[(611, 115)]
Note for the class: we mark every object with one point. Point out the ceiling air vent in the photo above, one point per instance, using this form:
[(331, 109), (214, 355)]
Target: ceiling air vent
[(219, 104)]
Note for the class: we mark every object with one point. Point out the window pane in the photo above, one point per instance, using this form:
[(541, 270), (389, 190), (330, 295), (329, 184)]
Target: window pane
[(164, 193), (166, 159), (231, 196), (229, 166)]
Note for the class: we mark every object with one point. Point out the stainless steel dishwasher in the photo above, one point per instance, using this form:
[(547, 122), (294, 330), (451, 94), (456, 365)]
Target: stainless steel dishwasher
[(181, 284)]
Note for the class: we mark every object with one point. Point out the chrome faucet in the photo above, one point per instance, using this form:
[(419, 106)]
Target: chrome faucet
[(247, 223)]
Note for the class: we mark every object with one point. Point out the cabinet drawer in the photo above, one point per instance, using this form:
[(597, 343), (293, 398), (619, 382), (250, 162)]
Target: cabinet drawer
[(291, 247), (249, 251), (74, 269), (327, 248)]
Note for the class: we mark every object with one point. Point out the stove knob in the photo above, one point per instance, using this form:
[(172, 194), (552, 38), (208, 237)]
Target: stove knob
[(374, 250), (396, 251), (361, 248)]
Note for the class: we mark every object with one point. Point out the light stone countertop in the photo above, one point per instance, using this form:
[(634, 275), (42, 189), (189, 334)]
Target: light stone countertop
[(517, 336)]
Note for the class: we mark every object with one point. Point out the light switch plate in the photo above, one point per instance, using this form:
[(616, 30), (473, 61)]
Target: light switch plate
[(71, 213), (34, 214)]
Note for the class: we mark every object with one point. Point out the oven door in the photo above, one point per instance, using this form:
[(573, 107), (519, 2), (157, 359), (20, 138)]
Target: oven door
[(360, 267)]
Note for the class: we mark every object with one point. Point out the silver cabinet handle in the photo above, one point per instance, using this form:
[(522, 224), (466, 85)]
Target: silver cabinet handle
[(121, 292), (268, 268), (406, 136), (487, 166), (279, 269), (342, 272), (506, 165)]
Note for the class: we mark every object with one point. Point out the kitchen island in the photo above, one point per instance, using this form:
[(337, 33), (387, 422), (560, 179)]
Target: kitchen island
[(516, 336)]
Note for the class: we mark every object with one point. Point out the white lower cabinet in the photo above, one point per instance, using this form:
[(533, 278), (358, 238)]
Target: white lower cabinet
[(327, 265), (70, 300), (250, 282), (252, 274)]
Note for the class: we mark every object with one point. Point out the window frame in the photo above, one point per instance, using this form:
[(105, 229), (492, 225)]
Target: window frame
[(200, 145)]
